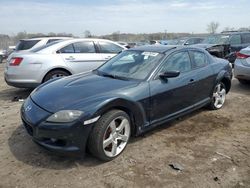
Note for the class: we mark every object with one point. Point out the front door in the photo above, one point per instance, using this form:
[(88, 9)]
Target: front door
[(173, 95)]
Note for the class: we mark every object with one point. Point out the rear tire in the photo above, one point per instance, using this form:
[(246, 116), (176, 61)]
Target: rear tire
[(55, 74), (110, 135), (219, 96)]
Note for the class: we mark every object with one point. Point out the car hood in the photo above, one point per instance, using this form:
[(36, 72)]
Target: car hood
[(68, 92)]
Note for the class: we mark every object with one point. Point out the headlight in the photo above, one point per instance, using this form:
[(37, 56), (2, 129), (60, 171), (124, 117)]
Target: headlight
[(64, 116)]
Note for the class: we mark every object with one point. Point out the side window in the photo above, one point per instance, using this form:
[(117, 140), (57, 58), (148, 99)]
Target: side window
[(199, 58), (246, 38), (67, 49), (52, 40), (107, 47), (198, 40), (177, 62), (84, 47), (191, 41), (235, 40)]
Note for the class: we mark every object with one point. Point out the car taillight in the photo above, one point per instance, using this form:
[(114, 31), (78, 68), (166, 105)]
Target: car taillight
[(15, 61), (241, 56)]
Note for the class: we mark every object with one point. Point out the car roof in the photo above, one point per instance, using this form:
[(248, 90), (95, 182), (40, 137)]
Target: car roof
[(234, 32), (41, 38), (155, 48), (162, 48)]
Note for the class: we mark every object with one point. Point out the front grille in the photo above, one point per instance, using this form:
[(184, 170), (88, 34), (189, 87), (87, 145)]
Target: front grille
[(28, 128)]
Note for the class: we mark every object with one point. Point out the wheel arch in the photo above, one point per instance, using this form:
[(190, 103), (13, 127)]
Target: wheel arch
[(227, 82), (54, 69), (225, 78), (135, 112)]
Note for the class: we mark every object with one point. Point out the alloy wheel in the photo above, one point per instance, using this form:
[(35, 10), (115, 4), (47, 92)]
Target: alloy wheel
[(219, 95), (116, 136)]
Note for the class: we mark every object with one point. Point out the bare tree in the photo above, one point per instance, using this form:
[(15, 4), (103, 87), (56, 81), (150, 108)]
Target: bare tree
[(212, 27)]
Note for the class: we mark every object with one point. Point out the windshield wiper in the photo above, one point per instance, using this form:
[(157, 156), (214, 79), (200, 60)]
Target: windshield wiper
[(104, 74)]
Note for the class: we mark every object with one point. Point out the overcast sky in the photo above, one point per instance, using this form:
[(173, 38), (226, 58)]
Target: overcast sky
[(126, 16)]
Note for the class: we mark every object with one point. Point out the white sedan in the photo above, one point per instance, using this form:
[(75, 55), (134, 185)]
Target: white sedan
[(60, 58)]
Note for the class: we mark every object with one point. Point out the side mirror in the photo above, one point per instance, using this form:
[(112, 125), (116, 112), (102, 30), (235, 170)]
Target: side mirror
[(169, 74)]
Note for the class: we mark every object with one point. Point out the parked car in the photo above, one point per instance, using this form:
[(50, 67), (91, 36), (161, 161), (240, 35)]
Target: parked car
[(190, 40), (154, 42), (30, 44), (133, 92), (60, 58), (173, 42), (124, 44), (242, 66), (226, 44), (3, 54)]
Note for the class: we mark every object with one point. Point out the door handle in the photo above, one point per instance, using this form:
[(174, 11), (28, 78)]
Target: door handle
[(70, 58), (191, 81), (107, 58)]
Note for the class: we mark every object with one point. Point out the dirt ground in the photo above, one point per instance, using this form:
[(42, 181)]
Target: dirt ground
[(213, 147)]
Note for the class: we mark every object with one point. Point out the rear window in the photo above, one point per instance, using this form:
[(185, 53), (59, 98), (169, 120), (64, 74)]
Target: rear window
[(246, 38), (107, 47), (26, 44), (45, 46), (52, 40)]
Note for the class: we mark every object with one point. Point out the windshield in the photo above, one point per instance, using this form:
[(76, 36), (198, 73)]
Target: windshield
[(45, 46), (26, 44), (216, 39), (131, 65), (181, 41), (173, 42)]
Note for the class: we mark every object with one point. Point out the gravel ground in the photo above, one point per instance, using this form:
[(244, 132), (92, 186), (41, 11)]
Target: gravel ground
[(212, 147)]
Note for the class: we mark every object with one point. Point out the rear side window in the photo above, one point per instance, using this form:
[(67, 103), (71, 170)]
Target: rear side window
[(177, 62), (235, 40), (107, 47), (67, 49), (52, 40), (26, 44), (199, 59), (84, 47), (246, 38)]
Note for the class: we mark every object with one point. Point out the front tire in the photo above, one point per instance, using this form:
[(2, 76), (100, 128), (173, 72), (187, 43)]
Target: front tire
[(110, 135), (219, 96)]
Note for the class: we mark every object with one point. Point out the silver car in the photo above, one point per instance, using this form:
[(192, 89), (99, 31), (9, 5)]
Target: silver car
[(242, 66), (60, 58)]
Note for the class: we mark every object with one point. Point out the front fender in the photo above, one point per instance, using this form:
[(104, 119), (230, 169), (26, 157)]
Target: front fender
[(102, 105)]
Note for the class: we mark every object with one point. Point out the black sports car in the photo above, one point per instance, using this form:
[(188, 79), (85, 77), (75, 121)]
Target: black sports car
[(133, 92)]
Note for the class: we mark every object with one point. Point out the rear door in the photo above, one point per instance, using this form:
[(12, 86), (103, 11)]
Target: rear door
[(81, 56), (108, 49)]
